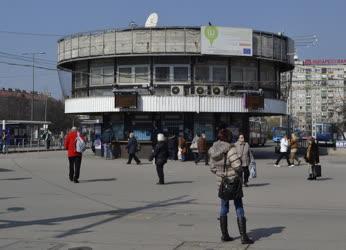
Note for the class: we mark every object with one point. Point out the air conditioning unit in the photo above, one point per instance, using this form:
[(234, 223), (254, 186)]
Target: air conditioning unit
[(201, 90), (217, 90), (177, 90)]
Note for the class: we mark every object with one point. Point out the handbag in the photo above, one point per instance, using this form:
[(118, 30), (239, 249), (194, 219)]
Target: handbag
[(230, 189)]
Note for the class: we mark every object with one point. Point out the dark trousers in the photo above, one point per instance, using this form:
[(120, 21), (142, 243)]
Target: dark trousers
[(246, 174), (160, 174), (202, 156), (75, 163), (133, 156), (283, 154)]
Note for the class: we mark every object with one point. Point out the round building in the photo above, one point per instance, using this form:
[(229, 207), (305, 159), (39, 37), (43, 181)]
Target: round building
[(178, 79)]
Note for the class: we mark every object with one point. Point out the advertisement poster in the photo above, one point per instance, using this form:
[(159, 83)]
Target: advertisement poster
[(217, 40)]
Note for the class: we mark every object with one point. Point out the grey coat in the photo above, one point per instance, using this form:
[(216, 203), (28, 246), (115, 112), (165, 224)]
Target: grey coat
[(243, 151)]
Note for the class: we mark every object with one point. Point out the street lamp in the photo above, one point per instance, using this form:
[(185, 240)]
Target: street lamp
[(33, 79)]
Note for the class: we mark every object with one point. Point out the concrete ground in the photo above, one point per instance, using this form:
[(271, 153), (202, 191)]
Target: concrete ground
[(116, 206)]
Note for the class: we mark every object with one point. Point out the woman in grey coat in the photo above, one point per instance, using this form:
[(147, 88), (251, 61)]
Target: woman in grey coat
[(244, 153)]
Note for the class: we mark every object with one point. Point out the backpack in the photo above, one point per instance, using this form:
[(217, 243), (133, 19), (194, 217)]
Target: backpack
[(80, 144)]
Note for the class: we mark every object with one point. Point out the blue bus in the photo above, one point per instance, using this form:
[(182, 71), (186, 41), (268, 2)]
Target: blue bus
[(324, 132)]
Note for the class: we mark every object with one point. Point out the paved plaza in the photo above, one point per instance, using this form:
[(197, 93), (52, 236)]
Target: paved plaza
[(116, 206)]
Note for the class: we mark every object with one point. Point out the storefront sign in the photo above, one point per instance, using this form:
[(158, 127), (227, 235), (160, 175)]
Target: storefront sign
[(324, 61), (126, 100), (217, 40)]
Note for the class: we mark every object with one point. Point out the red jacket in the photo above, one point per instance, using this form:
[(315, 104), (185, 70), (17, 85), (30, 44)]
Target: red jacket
[(70, 144)]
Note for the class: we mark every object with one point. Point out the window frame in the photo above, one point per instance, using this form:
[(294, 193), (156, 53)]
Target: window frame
[(133, 75), (211, 73), (171, 74)]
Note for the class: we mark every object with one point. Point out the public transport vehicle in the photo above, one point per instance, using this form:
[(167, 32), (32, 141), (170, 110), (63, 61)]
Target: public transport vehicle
[(324, 132), (278, 133), (258, 132)]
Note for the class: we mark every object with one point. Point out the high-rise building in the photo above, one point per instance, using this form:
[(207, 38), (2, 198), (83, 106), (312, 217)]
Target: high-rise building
[(317, 93)]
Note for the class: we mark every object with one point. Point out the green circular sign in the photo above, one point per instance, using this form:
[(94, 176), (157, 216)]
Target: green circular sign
[(211, 33)]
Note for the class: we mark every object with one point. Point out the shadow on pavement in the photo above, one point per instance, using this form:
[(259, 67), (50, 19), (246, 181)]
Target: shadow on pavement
[(15, 209), (258, 184), (177, 182), (16, 179), (98, 180), (324, 179), (7, 198), (113, 215), (259, 233), (6, 170)]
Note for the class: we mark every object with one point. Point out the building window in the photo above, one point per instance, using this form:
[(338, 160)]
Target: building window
[(81, 75), (102, 72), (202, 73), (181, 74), (162, 74), (125, 75), (141, 74), (138, 74), (211, 73), (172, 73), (219, 74)]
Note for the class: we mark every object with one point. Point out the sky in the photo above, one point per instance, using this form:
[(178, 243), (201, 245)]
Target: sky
[(325, 19)]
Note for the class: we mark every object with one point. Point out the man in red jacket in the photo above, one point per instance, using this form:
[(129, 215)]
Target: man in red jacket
[(75, 158)]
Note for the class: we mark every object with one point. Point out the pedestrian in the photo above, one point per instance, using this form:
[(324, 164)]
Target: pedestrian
[(5, 141), (132, 148), (160, 155), (61, 139), (202, 149), (225, 163), (244, 153), (107, 137), (182, 148), (294, 149), (172, 147), (1, 141), (312, 157), (74, 157), (283, 152), (194, 147), (47, 137)]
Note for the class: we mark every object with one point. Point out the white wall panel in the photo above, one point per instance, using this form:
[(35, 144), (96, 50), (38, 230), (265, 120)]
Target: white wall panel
[(173, 104)]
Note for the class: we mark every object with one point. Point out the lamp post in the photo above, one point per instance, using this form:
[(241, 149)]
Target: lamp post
[(33, 79)]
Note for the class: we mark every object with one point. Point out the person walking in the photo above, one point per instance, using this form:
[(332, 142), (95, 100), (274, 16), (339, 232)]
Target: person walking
[(244, 153), (194, 148), (172, 147), (202, 149), (225, 163), (132, 149), (294, 149), (160, 155), (312, 157), (74, 157), (283, 152), (182, 148)]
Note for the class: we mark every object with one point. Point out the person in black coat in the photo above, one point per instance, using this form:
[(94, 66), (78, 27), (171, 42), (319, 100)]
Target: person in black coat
[(132, 148), (160, 155), (172, 147)]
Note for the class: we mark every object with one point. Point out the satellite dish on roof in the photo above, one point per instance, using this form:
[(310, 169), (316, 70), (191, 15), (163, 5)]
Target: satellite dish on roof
[(151, 20)]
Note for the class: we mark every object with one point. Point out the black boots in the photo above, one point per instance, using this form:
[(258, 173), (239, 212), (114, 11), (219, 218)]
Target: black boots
[(223, 226), (242, 230), (311, 177)]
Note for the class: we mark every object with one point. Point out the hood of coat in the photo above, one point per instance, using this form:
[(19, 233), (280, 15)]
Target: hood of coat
[(218, 150)]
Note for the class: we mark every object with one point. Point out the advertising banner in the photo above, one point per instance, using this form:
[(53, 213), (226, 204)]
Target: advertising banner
[(217, 40)]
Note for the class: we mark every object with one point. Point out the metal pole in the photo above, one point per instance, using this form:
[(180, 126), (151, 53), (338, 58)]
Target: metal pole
[(33, 86)]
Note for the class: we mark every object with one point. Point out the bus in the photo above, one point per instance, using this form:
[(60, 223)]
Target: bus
[(258, 132), (324, 132), (278, 133)]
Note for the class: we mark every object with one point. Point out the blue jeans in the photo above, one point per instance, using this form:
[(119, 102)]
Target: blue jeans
[(238, 204)]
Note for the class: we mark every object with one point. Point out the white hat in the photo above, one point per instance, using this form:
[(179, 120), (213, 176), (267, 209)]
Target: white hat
[(160, 137), (74, 128)]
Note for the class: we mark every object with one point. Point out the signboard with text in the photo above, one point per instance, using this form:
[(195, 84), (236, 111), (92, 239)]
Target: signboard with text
[(217, 40), (324, 61), (340, 144)]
